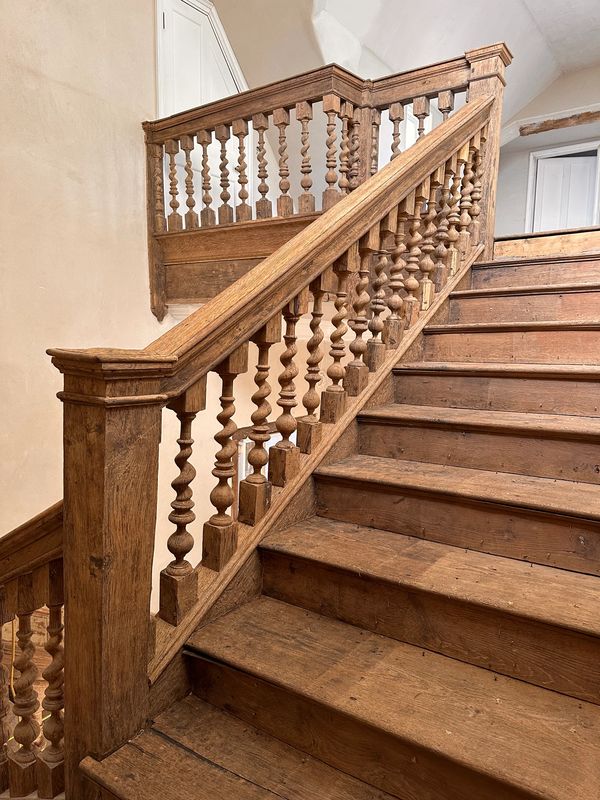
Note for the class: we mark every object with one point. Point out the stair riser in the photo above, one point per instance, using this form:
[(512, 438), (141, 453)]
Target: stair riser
[(555, 540), (498, 452), (529, 347), (507, 644), (370, 754), (551, 274), (495, 393), (526, 308)]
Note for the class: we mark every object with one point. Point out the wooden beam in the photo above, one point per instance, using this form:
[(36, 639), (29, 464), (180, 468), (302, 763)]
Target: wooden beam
[(583, 118)]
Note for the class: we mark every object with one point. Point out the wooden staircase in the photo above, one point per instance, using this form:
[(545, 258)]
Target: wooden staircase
[(433, 631)]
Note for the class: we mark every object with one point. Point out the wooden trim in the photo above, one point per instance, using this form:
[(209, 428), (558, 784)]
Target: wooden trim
[(425, 81), (513, 237), (549, 244), (583, 118), (33, 544)]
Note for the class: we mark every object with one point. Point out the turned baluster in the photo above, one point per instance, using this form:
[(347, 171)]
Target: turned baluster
[(220, 533), (331, 107), (354, 159), (306, 201), (255, 490), (454, 216), (191, 217), (443, 176), (445, 103), (395, 323), (285, 204), (4, 712), (207, 215), (375, 345), (264, 208), (430, 190), (179, 580), (284, 459), (309, 426), (421, 112), (174, 220), (22, 761), (465, 157), (50, 767), (396, 116), (357, 371), (222, 134), (375, 125), (243, 210), (477, 192), (333, 399), (156, 169), (346, 116), (412, 207)]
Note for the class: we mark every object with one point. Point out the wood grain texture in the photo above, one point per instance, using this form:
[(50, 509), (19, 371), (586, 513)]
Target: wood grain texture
[(551, 271), (527, 303), (32, 544), (583, 118), (549, 244)]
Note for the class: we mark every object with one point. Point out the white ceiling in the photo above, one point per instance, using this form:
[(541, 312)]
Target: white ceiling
[(571, 29)]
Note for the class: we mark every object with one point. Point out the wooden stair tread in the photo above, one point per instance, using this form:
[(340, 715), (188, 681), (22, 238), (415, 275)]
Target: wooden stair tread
[(552, 425), (550, 259), (499, 291), (562, 371), (552, 596), (195, 751), (540, 494), (534, 325), (535, 740)]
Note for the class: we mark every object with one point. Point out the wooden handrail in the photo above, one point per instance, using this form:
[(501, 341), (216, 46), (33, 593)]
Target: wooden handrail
[(32, 544)]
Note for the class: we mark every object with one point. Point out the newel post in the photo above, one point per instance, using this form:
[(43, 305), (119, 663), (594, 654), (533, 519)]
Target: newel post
[(112, 416), (488, 65)]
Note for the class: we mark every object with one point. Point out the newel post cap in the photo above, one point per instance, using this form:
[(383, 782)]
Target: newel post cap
[(498, 50)]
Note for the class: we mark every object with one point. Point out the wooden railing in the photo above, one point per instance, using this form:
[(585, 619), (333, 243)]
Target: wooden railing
[(31, 678), (296, 146)]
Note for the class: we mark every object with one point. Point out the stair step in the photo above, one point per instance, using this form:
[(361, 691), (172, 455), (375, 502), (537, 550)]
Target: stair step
[(526, 303), (413, 723), (540, 271), (546, 445), (495, 612), (547, 342), (541, 388), (545, 521)]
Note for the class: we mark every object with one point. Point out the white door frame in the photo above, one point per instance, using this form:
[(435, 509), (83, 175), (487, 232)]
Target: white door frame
[(564, 150), (207, 8)]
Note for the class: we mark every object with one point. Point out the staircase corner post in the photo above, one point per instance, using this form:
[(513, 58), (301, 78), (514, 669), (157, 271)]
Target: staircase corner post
[(488, 65), (156, 221), (363, 121), (112, 420)]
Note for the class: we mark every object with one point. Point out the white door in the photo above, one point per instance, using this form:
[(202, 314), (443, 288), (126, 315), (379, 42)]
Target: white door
[(566, 192)]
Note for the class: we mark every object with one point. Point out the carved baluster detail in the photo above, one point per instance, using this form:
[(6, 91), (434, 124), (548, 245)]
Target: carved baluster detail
[(264, 207), (50, 767), (222, 134), (255, 490), (357, 371), (285, 204), (454, 216), (430, 190), (465, 156), (477, 192), (221, 531), (156, 167), (421, 112), (22, 761), (4, 707), (354, 161), (445, 103), (243, 211), (394, 325), (396, 116), (174, 220), (376, 346), (207, 215), (179, 580), (309, 426), (443, 176), (375, 124), (306, 201), (191, 218), (346, 116), (412, 206), (331, 107), (333, 399), (284, 456)]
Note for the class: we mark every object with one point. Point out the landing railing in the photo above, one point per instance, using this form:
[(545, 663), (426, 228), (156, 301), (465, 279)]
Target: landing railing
[(294, 147), (388, 253)]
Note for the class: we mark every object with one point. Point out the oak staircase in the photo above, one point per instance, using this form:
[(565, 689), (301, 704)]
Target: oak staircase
[(400, 598)]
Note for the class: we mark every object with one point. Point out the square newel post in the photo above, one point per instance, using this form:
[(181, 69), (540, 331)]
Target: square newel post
[(112, 416), (488, 65)]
